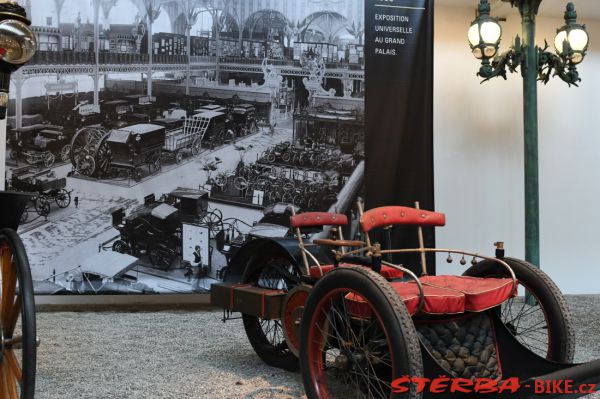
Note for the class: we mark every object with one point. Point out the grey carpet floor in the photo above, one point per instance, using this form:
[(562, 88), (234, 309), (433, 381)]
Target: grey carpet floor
[(186, 354)]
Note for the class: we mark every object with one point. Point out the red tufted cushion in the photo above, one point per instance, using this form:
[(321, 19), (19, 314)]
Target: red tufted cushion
[(437, 300), (480, 293)]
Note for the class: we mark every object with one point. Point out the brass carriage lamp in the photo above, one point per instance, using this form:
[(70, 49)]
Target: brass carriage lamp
[(17, 46), (571, 41)]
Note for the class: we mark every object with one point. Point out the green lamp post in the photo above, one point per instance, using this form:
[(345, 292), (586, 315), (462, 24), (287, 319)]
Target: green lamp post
[(535, 64)]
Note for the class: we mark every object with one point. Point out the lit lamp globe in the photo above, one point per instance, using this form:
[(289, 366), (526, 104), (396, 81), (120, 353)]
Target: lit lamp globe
[(484, 37), (571, 41)]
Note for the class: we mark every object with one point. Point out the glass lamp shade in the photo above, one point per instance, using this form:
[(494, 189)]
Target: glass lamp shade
[(17, 42), (577, 40), (484, 37)]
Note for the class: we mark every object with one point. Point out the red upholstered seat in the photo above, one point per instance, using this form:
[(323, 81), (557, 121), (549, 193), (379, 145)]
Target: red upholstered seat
[(437, 300), (445, 295), (386, 271), (480, 293)]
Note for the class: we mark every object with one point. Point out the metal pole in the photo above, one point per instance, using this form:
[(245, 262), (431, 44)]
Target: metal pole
[(150, 52), (189, 57), (18, 99), (3, 152), (97, 52), (528, 10)]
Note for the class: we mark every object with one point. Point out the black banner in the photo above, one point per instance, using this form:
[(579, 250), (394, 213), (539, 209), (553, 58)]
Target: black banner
[(399, 110)]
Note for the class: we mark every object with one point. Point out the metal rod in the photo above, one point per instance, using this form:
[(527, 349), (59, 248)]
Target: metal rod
[(421, 245), (454, 251), (414, 277)]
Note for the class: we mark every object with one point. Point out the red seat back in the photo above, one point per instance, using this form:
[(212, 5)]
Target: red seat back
[(393, 215), (316, 219)]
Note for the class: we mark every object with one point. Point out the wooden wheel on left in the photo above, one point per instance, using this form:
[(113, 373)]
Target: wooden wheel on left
[(17, 320)]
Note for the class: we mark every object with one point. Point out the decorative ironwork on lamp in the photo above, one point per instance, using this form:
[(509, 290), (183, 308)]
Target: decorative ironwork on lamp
[(571, 43)]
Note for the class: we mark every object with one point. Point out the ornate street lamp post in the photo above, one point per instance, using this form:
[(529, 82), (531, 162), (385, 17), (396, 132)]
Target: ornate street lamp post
[(535, 63)]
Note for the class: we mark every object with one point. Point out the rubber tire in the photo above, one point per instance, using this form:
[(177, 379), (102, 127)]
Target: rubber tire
[(394, 316), (28, 319), (264, 349), (555, 307)]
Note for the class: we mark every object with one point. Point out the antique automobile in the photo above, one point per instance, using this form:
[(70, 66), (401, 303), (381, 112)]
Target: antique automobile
[(134, 147), (358, 323), (17, 308), (46, 187), (156, 228), (40, 144), (244, 119)]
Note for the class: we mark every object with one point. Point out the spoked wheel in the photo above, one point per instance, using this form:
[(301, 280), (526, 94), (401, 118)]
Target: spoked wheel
[(63, 198), (85, 165), (42, 205), (178, 157), (17, 334), (65, 153), (89, 151), (543, 323), (240, 183), (121, 247), (357, 338), (273, 271), (196, 147), (48, 159), (214, 221), (162, 258)]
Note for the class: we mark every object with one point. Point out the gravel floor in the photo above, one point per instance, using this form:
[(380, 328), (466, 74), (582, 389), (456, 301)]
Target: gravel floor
[(187, 354)]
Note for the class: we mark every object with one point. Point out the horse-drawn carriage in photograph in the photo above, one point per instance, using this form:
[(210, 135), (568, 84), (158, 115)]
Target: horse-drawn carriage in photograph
[(244, 119), (134, 148), (359, 324), (45, 188), (156, 228), (39, 144)]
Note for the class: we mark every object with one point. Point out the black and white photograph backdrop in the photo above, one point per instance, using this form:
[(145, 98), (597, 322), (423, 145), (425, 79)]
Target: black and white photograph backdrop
[(157, 136)]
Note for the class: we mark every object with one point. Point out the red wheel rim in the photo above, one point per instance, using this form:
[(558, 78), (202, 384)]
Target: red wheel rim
[(363, 359)]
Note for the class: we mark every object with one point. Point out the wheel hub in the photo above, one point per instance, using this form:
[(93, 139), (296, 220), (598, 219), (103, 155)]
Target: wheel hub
[(349, 360)]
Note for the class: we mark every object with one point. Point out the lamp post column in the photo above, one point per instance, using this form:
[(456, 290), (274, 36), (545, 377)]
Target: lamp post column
[(528, 10)]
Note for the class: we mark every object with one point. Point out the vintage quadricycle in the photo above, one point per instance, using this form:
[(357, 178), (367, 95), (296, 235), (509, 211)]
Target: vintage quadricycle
[(360, 325)]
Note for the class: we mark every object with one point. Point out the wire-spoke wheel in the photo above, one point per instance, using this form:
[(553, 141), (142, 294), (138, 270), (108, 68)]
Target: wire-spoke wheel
[(63, 198), (357, 338), (541, 321), (275, 272), (17, 320)]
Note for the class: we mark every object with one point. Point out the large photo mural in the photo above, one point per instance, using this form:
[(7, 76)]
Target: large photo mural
[(157, 136)]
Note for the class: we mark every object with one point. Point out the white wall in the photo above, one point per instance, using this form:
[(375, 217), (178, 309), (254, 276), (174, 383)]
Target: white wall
[(479, 155)]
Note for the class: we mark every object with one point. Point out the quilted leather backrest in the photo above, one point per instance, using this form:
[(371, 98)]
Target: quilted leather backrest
[(315, 219), (394, 215)]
